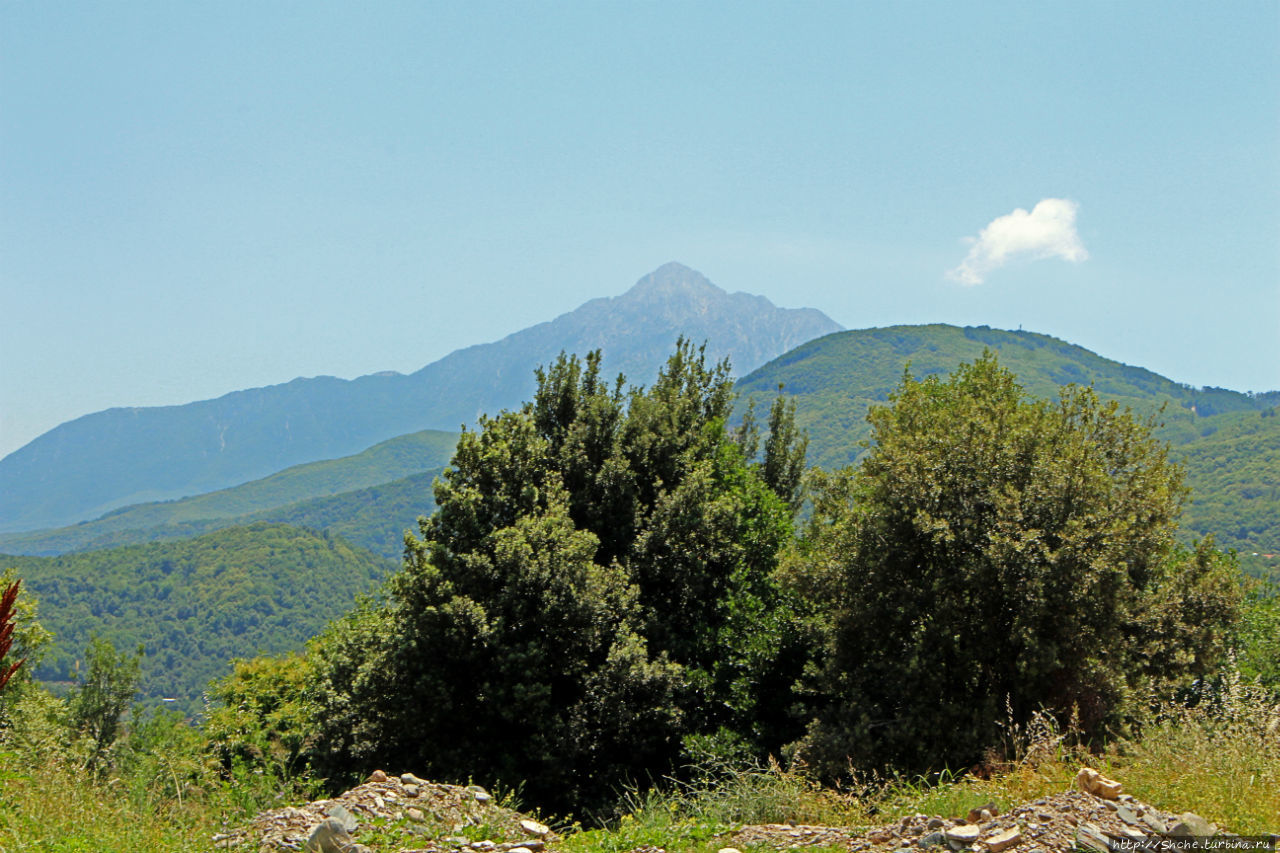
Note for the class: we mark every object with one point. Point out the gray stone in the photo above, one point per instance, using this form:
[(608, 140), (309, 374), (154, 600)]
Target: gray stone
[(964, 834), (339, 813), (1128, 816), (1004, 840), (1088, 835), (534, 828), (330, 836), (1154, 823), (1190, 823), (933, 839)]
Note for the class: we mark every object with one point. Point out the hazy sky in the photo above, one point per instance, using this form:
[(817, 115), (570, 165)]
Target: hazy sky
[(202, 197)]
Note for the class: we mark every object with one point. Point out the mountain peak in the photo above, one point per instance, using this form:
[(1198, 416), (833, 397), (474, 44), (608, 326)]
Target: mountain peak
[(671, 278)]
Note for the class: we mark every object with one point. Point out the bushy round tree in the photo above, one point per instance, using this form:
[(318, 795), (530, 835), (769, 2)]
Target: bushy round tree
[(994, 556), (596, 585)]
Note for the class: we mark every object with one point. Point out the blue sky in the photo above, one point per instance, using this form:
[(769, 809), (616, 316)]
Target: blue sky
[(202, 197)]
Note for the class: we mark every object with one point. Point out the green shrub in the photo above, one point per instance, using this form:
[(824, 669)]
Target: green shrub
[(996, 552), (596, 584)]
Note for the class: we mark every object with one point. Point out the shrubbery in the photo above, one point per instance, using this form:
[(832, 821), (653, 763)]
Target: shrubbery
[(994, 552), (612, 587), (595, 587)]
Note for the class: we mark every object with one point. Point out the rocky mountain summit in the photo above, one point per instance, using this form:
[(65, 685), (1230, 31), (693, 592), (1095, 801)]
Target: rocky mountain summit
[(410, 815)]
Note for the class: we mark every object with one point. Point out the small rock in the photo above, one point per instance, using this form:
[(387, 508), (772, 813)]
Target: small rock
[(378, 776), (534, 828), (1092, 782), (330, 836), (933, 839), (1190, 823), (412, 790), (1154, 823), (728, 850), (1090, 836), (936, 823), (410, 779), (1129, 816), (976, 815), (414, 814), (964, 834), (341, 815), (519, 850), (1004, 840)]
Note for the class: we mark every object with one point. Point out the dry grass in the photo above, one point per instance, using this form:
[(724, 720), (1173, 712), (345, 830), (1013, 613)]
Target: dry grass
[(1220, 760)]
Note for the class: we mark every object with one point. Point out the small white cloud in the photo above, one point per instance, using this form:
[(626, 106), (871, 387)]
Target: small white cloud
[(1048, 231)]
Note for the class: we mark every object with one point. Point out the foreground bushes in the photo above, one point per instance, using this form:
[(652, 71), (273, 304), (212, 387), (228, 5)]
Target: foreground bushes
[(995, 556), (594, 592), (598, 597), (611, 589)]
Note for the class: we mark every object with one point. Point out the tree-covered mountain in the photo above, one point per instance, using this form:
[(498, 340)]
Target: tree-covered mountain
[(118, 457), (375, 518), (1228, 441), (196, 604), (293, 496)]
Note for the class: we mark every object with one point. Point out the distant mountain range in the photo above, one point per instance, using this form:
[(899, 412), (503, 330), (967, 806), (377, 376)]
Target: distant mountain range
[(262, 565), (118, 457), (369, 498), (1228, 441)]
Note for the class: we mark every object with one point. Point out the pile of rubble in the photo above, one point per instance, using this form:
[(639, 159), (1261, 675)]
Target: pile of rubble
[(409, 815), (1091, 818), (425, 816)]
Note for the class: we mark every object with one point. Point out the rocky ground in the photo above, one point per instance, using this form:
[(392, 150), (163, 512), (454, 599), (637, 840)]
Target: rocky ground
[(414, 815), (410, 815)]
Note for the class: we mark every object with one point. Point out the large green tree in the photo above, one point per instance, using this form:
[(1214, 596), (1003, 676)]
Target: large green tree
[(994, 556), (595, 587)]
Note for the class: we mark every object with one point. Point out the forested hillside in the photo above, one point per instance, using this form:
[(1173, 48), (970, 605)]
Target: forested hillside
[(1230, 442), (375, 518), (330, 494), (196, 604)]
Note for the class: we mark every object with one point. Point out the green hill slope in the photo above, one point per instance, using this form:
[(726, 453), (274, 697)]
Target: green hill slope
[(374, 518), (198, 603), (1229, 441), (275, 498)]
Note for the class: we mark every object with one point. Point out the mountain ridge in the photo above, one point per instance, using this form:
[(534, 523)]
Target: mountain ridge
[(123, 456), (1229, 441)]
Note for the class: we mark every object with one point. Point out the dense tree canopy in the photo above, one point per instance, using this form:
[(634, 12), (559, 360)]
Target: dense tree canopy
[(595, 588), (994, 556)]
